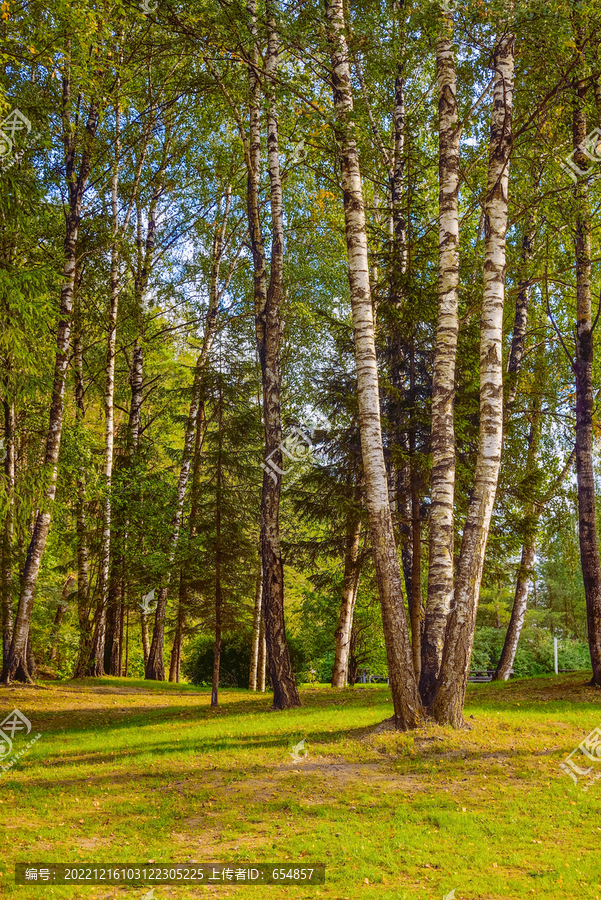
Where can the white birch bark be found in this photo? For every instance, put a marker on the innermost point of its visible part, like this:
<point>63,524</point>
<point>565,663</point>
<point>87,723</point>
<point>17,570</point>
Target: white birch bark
<point>97,662</point>
<point>441,568</point>
<point>254,654</point>
<point>76,183</point>
<point>350,585</point>
<point>407,705</point>
<point>447,705</point>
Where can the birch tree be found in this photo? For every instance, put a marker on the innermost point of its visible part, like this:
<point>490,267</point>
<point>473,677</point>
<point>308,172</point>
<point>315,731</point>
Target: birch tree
<point>407,705</point>
<point>78,148</point>
<point>441,561</point>
<point>447,704</point>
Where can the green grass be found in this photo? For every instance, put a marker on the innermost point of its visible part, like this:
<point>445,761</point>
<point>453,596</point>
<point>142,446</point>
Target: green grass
<point>131,771</point>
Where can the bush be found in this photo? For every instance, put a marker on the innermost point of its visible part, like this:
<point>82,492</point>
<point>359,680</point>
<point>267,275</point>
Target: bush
<point>234,664</point>
<point>534,655</point>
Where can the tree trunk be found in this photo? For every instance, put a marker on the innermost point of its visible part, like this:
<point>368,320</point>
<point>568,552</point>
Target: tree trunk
<point>97,666</point>
<point>262,663</point>
<point>218,550</point>
<point>195,499</point>
<point>350,584</point>
<point>398,339</point>
<point>8,613</point>
<point>126,667</point>
<point>407,705</point>
<point>121,626</point>
<point>76,186</point>
<point>32,667</point>
<point>83,585</point>
<point>145,637</point>
<point>516,354</point>
<point>254,653</point>
<point>114,616</point>
<point>177,637</point>
<point>447,706</point>
<point>587,527</point>
<point>269,331</point>
<point>416,609</point>
<point>441,526</point>
<point>61,609</point>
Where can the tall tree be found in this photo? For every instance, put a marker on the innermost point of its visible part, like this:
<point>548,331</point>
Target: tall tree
<point>407,704</point>
<point>8,453</point>
<point>447,704</point>
<point>78,160</point>
<point>583,371</point>
<point>441,561</point>
<point>269,333</point>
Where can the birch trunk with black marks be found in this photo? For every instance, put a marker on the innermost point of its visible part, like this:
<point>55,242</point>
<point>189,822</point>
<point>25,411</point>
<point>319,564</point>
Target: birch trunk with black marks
<point>583,370</point>
<point>416,611</point>
<point>76,185</point>
<point>254,651</point>
<point>8,445</point>
<point>407,705</point>
<point>447,705</point>
<point>110,611</point>
<point>522,304</point>
<point>350,584</point>
<point>218,555</point>
<point>441,548</point>
<point>144,628</point>
<point>398,338</point>
<point>98,642</point>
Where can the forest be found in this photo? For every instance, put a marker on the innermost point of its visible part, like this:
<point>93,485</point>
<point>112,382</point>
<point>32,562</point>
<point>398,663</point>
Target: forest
<point>299,313</point>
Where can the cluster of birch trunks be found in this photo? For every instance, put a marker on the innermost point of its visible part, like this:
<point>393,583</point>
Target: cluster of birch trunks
<point>429,639</point>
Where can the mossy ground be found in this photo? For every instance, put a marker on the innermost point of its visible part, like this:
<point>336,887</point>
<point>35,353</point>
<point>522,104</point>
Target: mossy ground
<point>127,771</point>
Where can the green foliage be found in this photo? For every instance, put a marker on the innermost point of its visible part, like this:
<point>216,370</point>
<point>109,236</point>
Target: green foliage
<point>234,660</point>
<point>535,654</point>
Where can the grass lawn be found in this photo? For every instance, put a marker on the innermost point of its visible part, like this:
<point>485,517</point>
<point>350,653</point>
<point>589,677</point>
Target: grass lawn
<point>131,771</point>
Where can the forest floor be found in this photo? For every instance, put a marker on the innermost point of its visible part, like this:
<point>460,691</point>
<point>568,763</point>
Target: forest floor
<point>127,771</point>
